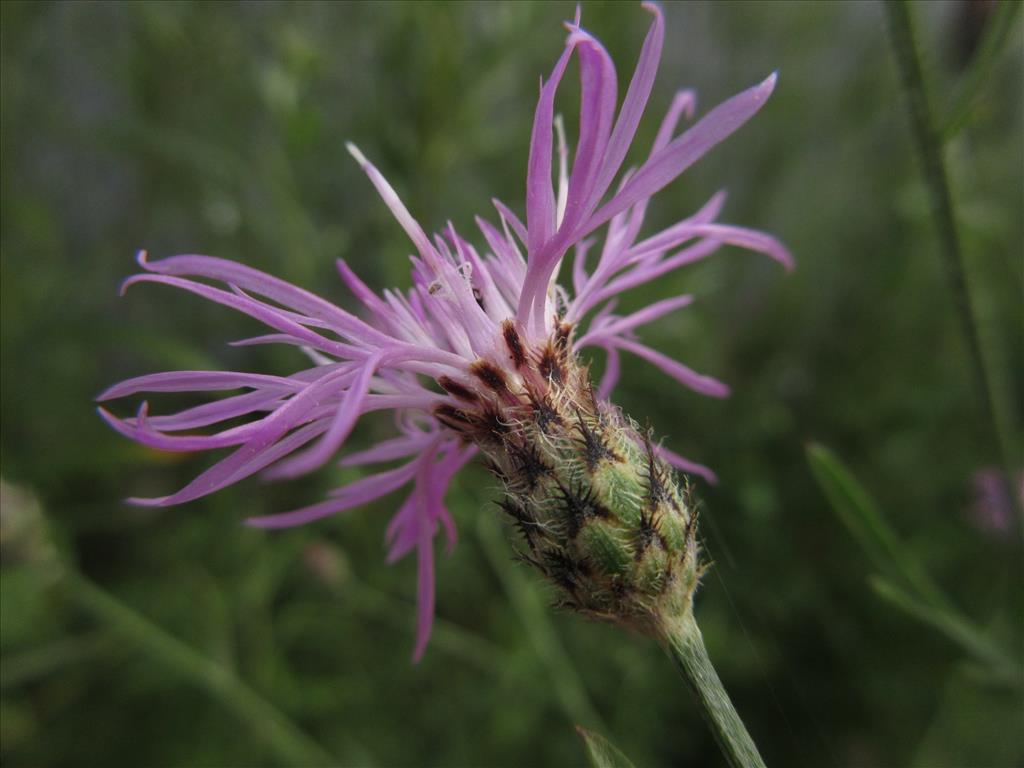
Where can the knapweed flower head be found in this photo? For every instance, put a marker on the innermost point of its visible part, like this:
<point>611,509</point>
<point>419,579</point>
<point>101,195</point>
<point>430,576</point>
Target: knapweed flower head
<point>482,356</point>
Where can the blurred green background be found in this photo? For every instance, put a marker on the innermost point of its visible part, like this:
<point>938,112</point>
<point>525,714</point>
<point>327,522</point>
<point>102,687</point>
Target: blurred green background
<point>219,128</point>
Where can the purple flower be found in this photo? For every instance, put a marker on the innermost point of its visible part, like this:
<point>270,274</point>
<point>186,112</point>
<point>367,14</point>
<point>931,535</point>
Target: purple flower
<point>480,334</point>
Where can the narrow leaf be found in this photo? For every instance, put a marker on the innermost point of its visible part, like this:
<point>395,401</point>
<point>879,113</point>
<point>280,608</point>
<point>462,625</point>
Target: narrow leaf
<point>859,513</point>
<point>955,628</point>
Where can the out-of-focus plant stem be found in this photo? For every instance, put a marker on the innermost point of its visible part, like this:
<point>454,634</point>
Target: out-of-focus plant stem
<point>928,140</point>
<point>997,34</point>
<point>564,678</point>
<point>685,645</point>
<point>291,745</point>
<point>52,658</point>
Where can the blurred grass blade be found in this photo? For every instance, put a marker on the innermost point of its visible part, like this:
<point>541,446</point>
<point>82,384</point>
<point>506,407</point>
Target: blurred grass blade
<point>49,659</point>
<point>927,140</point>
<point>861,516</point>
<point>292,745</point>
<point>956,629</point>
<point>601,753</point>
<point>448,637</point>
<point>533,614</point>
<point>972,84</point>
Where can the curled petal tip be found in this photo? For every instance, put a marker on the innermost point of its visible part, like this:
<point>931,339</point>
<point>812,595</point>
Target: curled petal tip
<point>359,156</point>
<point>142,258</point>
<point>129,282</point>
<point>138,501</point>
<point>787,261</point>
<point>652,7</point>
<point>686,100</point>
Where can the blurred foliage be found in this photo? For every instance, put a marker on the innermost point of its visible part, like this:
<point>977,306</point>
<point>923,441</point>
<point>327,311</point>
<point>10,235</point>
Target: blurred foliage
<point>220,127</point>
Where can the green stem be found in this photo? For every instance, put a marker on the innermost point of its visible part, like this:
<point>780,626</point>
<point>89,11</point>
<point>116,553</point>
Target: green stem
<point>293,747</point>
<point>685,645</point>
<point>929,147</point>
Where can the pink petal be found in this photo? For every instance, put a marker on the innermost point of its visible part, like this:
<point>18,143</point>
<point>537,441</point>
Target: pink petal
<point>355,494</point>
<point>644,273</point>
<point>217,411</point>
<point>636,99</point>
<point>511,220</point>
<point>266,285</point>
<point>687,466</point>
<point>267,445</point>
<point>424,595</point>
<point>258,310</point>
<point>683,103</point>
<point>750,239</point>
<point>394,203</point>
<point>682,152</point>
<point>141,433</point>
<point>388,450</point>
<point>681,373</point>
<point>540,195</point>
<point>611,374</point>
<point>623,325</point>
<point>598,97</point>
<point>348,413</point>
<point>193,381</point>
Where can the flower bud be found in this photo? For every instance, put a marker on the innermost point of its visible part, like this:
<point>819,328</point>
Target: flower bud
<point>601,515</point>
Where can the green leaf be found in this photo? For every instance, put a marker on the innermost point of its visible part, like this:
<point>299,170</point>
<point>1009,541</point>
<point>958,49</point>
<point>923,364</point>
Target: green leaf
<point>859,513</point>
<point>601,753</point>
<point>905,585</point>
<point>955,628</point>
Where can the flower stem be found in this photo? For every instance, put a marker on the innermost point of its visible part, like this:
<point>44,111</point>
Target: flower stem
<point>280,734</point>
<point>929,146</point>
<point>685,646</point>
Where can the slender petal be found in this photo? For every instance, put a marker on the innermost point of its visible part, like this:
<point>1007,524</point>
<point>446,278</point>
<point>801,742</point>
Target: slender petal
<point>356,494</point>
<point>348,413</point>
<point>388,450</point>
<point>687,466</point>
<point>611,374</point>
<point>194,381</point>
<point>681,373</point>
<point>636,98</point>
<point>681,153</point>
<point>623,325</point>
